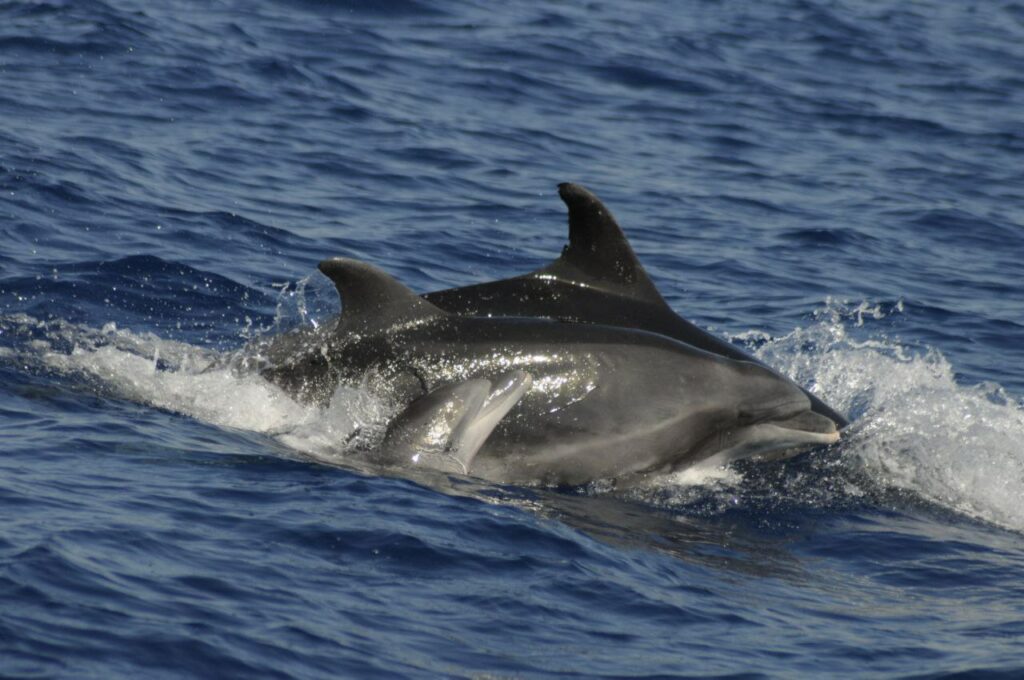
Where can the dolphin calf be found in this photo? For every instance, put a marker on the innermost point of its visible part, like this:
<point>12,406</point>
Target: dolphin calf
<point>445,428</point>
<point>598,279</point>
<point>533,400</point>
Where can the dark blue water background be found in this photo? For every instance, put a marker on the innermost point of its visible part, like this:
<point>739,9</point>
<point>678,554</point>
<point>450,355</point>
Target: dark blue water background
<point>834,185</point>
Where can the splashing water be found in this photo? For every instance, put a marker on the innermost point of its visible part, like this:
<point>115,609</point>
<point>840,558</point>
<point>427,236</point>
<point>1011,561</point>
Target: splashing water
<point>182,378</point>
<point>915,429</point>
<point>307,301</point>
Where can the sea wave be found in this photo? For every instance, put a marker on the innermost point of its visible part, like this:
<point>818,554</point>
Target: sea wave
<point>915,427</point>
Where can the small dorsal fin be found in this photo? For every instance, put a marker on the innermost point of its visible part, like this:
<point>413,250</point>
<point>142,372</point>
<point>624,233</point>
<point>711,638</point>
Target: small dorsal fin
<point>371,296</point>
<point>598,253</point>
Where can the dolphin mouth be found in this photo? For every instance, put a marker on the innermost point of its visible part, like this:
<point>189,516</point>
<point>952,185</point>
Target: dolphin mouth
<point>776,439</point>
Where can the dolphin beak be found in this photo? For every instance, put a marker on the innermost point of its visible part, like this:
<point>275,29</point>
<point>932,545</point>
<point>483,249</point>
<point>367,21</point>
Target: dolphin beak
<point>778,438</point>
<point>792,435</point>
<point>810,422</point>
<point>801,432</point>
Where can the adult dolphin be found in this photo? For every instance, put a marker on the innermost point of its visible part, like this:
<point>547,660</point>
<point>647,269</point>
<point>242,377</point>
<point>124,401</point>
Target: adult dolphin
<point>598,279</point>
<point>528,400</point>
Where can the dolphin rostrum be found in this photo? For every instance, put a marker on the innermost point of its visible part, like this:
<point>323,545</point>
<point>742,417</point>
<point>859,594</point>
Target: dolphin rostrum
<point>531,400</point>
<point>598,279</point>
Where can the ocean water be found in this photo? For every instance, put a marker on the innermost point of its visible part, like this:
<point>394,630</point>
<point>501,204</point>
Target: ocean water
<point>835,186</point>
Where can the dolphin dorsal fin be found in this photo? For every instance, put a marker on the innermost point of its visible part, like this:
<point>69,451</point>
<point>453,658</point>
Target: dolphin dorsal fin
<point>372,297</point>
<point>598,253</point>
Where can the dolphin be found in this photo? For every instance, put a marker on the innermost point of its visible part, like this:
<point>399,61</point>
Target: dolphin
<point>598,279</point>
<point>444,429</point>
<point>537,401</point>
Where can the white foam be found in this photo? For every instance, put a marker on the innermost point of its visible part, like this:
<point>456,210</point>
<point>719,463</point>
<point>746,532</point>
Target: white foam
<point>916,428</point>
<point>178,377</point>
<point>702,474</point>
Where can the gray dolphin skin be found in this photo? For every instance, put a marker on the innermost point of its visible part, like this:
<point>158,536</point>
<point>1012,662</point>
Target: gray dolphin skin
<point>598,280</point>
<point>533,400</point>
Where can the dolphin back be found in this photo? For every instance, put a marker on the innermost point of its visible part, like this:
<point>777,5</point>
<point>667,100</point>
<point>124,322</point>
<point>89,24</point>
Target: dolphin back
<point>598,279</point>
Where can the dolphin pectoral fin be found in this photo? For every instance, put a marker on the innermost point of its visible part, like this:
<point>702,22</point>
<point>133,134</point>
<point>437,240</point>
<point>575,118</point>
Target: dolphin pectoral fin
<point>598,253</point>
<point>370,297</point>
<point>474,430</point>
<point>445,428</point>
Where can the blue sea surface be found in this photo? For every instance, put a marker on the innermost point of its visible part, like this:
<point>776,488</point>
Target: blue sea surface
<point>837,187</point>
